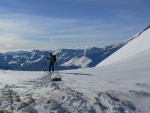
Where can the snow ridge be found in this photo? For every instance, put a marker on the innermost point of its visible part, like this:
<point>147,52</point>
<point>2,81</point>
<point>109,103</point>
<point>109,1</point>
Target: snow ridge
<point>135,45</point>
<point>138,34</point>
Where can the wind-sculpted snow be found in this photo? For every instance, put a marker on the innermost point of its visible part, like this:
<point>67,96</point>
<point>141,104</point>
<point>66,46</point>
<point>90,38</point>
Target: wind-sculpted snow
<point>39,94</point>
<point>43,96</point>
<point>110,103</point>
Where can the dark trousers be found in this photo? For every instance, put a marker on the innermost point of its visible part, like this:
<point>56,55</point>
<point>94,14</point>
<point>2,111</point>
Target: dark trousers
<point>51,66</point>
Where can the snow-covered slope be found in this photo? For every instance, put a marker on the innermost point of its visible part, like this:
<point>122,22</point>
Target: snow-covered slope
<point>123,87</point>
<point>137,44</point>
<point>74,59</point>
<point>81,61</point>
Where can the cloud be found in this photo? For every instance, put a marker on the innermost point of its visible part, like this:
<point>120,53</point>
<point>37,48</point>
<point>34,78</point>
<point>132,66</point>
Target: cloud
<point>28,32</point>
<point>9,46</point>
<point>37,27</point>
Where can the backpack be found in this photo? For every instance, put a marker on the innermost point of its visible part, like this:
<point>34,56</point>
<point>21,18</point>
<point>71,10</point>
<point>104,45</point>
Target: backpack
<point>54,57</point>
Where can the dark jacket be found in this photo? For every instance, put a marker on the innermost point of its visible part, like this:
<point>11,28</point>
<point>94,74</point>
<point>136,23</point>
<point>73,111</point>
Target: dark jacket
<point>51,59</point>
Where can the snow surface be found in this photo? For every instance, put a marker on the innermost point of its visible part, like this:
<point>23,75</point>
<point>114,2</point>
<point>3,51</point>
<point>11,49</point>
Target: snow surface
<point>81,61</point>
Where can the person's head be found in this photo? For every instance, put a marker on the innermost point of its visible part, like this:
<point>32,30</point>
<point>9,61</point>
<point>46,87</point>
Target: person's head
<point>51,54</point>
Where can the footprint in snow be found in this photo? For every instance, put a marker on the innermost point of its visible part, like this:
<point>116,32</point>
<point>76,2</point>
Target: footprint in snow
<point>139,94</point>
<point>108,102</point>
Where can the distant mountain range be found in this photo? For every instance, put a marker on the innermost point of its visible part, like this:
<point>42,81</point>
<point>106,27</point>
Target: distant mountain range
<point>66,58</point>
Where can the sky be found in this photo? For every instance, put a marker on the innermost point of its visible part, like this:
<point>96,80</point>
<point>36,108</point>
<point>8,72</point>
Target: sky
<point>71,24</point>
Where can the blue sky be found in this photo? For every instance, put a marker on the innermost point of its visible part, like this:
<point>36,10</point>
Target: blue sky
<point>55,24</point>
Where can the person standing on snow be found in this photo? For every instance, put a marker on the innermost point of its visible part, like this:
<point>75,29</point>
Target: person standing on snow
<point>52,61</point>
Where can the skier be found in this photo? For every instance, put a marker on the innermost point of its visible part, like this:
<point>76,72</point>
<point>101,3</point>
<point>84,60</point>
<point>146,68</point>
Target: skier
<point>52,61</point>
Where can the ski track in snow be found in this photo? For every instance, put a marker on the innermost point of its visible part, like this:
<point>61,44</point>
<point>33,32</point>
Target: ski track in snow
<point>42,95</point>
